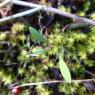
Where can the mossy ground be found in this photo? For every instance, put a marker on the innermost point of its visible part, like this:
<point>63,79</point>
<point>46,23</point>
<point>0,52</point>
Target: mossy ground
<point>16,46</point>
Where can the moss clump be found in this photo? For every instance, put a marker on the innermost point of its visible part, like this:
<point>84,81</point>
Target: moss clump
<point>18,28</point>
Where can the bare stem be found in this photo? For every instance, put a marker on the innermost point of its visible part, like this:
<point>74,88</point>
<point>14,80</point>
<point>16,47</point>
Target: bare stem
<point>57,11</point>
<point>4,3</point>
<point>54,81</point>
<point>31,11</point>
<point>48,9</point>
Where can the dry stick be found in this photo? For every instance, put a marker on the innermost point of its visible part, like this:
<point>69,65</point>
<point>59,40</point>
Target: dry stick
<point>54,81</point>
<point>25,3</point>
<point>57,11</point>
<point>76,25</point>
<point>22,14</point>
<point>4,3</point>
<point>70,15</point>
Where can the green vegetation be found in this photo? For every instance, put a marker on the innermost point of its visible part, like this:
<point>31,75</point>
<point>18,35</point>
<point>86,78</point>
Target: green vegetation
<point>56,52</point>
<point>25,62</point>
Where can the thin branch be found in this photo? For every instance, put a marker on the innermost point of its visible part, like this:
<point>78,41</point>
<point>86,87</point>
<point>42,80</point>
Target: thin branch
<point>4,42</point>
<point>31,5</point>
<point>54,81</point>
<point>90,73</point>
<point>76,25</point>
<point>72,16</point>
<point>57,11</point>
<point>4,3</point>
<point>31,11</point>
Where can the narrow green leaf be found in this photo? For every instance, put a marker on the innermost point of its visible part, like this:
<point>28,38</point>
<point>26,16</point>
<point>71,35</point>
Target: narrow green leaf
<point>36,35</point>
<point>64,70</point>
<point>38,50</point>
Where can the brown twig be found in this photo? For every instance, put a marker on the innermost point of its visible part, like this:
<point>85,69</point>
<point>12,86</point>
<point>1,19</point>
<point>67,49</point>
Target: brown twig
<point>54,81</point>
<point>57,11</point>
<point>4,3</point>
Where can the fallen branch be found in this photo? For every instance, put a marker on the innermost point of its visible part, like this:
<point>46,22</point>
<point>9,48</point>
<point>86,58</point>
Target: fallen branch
<point>54,81</point>
<point>4,3</point>
<point>31,11</point>
<point>76,25</point>
<point>57,11</point>
<point>48,9</point>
